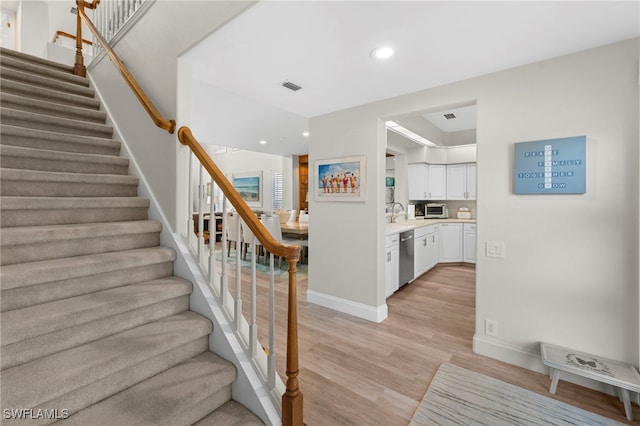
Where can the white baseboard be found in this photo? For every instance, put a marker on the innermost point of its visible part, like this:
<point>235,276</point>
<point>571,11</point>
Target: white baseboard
<point>531,360</point>
<point>357,309</point>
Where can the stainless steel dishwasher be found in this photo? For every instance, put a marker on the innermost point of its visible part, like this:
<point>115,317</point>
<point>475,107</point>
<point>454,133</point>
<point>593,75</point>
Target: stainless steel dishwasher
<point>406,257</point>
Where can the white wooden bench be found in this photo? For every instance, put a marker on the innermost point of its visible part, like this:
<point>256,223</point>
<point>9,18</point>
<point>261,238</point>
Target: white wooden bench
<point>623,377</point>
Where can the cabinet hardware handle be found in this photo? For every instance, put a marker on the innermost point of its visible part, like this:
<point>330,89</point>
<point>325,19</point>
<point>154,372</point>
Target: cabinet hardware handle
<point>424,243</point>
<point>388,257</point>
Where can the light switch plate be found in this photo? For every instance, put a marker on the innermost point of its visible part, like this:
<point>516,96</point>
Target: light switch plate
<point>495,249</point>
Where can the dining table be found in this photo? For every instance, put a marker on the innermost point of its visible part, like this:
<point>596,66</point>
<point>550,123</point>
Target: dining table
<point>300,229</point>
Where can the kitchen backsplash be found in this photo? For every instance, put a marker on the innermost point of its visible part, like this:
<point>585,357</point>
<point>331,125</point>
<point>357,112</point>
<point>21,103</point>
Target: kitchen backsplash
<point>454,205</point>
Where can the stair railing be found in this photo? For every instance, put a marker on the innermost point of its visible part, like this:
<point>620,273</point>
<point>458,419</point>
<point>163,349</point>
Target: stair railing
<point>80,69</point>
<point>292,399</point>
<point>86,43</point>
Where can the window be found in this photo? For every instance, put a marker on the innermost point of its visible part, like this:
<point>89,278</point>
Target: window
<point>276,190</point>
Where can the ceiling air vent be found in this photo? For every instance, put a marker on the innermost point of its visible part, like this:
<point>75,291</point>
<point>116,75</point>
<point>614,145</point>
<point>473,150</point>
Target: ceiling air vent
<point>449,116</point>
<point>291,86</point>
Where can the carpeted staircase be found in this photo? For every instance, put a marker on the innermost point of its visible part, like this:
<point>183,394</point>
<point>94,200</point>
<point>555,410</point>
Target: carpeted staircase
<point>94,325</point>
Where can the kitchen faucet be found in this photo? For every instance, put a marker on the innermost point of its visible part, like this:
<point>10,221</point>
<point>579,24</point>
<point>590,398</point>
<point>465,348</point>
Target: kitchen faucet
<point>393,211</point>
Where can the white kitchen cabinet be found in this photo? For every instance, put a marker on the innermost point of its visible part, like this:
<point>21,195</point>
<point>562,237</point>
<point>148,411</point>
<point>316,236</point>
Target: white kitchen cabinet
<point>461,181</point>
<point>451,242</point>
<point>427,181</point>
<point>437,184</point>
<point>425,249</point>
<point>469,230</point>
<point>418,181</point>
<point>392,264</point>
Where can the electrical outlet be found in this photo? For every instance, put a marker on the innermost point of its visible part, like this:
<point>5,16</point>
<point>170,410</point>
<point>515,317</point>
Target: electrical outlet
<point>491,327</point>
<point>494,249</point>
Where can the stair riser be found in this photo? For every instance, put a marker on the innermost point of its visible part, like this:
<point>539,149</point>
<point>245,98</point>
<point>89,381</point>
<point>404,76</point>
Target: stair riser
<point>11,255</point>
<point>57,189</point>
<point>42,293</point>
<point>60,143</point>
<point>88,395</point>
<point>45,82</point>
<point>31,60</point>
<point>31,105</point>
<point>28,350</point>
<point>16,64</point>
<point>15,218</point>
<point>50,165</point>
<point>18,88</point>
<point>81,129</point>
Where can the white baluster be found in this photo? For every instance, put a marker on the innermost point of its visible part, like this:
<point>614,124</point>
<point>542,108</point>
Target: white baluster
<point>238,304</point>
<point>190,224</point>
<point>200,215</point>
<point>271,358</point>
<point>224,284</point>
<point>253,327</point>
<point>213,225</point>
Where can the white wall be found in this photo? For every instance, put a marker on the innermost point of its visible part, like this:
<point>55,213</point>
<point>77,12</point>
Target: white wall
<point>32,27</point>
<point>156,151</point>
<point>248,161</point>
<point>570,275</point>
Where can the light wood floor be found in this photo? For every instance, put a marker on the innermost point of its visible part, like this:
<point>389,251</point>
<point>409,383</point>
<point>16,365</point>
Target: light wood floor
<point>356,372</point>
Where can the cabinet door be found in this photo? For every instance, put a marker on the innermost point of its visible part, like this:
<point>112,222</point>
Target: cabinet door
<point>456,181</point>
<point>471,181</point>
<point>392,262</point>
<point>469,243</point>
<point>418,181</point>
<point>433,249</point>
<point>450,242</point>
<point>420,256</point>
<point>437,182</point>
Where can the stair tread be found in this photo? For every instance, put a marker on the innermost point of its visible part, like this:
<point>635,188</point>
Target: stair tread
<point>53,203</point>
<point>53,108</point>
<point>4,52</point>
<point>231,414</point>
<point>44,271</point>
<point>25,175</point>
<point>39,92</point>
<point>38,320</point>
<point>43,70</point>
<point>19,151</point>
<point>45,81</point>
<point>46,233</point>
<point>164,398</point>
<point>45,135</point>
<point>44,379</point>
<point>62,123</point>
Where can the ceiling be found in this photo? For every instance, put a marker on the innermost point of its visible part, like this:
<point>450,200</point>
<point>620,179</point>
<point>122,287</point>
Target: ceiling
<point>325,46</point>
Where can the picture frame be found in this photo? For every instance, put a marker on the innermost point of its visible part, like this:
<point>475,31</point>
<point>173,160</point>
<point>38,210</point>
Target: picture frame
<point>249,186</point>
<point>340,179</point>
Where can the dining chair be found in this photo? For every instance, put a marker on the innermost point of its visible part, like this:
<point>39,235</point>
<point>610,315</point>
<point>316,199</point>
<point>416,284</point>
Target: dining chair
<point>304,217</point>
<point>232,236</point>
<point>292,216</point>
<point>273,226</point>
<point>247,239</point>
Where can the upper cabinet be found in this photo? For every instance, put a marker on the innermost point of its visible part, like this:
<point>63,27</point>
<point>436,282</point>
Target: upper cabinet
<point>427,181</point>
<point>461,181</point>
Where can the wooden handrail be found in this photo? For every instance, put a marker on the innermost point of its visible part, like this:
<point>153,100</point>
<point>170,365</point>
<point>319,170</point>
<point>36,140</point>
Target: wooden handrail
<point>292,408</point>
<point>158,119</point>
<point>71,36</point>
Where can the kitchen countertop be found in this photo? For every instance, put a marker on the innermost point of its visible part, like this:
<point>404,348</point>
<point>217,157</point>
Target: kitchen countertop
<point>407,225</point>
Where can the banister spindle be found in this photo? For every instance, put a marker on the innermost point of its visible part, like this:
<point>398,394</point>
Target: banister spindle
<point>271,358</point>
<point>190,223</point>
<point>200,215</point>
<point>253,326</point>
<point>78,67</point>
<point>238,304</point>
<point>224,284</point>
<point>213,224</point>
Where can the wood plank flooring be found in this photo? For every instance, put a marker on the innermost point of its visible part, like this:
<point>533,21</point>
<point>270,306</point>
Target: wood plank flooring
<point>355,372</point>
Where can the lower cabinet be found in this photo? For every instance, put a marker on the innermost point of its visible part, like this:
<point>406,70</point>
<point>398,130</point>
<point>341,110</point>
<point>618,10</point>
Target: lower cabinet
<point>451,242</point>
<point>426,249</point>
<point>392,264</point>
<point>469,242</point>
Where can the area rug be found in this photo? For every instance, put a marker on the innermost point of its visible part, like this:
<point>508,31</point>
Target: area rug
<point>458,396</point>
<point>280,272</point>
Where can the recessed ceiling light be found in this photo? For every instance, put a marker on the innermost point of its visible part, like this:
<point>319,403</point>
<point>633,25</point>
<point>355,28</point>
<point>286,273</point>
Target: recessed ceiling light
<point>263,142</point>
<point>382,52</point>
<point>305,134</point>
